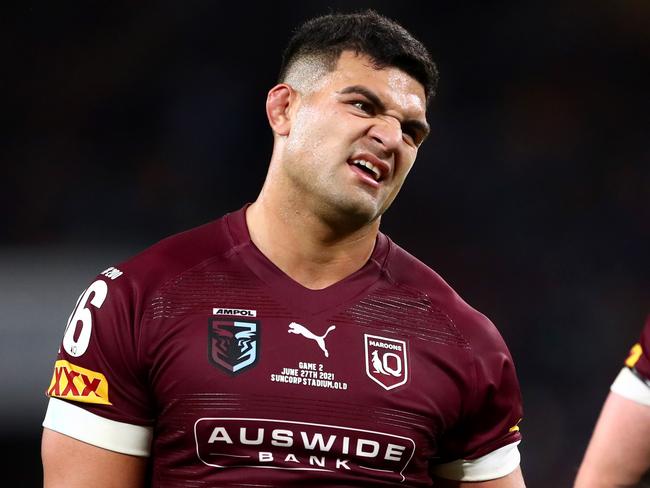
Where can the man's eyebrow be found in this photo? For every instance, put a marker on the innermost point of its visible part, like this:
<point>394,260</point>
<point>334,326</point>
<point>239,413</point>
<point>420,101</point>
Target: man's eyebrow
<point>369,94</point>
<point>418,125</point>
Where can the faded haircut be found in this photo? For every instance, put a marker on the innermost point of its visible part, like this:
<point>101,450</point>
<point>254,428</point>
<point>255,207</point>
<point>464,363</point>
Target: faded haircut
<point>316,46</point>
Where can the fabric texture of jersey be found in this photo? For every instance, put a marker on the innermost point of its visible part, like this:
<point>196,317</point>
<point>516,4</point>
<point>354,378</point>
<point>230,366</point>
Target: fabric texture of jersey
<point>202,353</point>
<point>633,381</point>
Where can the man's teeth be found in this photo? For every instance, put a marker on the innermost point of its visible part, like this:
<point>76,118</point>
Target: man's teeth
<point>370,166</point>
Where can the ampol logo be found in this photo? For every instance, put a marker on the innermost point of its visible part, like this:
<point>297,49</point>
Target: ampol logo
<point>386,361</point>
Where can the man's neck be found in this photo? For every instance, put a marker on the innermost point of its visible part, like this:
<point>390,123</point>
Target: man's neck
<point>306,248</point>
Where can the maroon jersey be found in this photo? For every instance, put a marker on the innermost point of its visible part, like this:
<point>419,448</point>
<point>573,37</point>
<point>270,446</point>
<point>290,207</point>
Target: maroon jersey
<point>203,354</point>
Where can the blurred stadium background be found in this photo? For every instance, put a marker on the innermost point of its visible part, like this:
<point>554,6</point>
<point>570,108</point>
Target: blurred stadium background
<point>125,123</point>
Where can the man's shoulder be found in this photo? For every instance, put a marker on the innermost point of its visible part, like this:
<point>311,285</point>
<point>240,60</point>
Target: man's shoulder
<point>408,272</point>
<point>405,268</point>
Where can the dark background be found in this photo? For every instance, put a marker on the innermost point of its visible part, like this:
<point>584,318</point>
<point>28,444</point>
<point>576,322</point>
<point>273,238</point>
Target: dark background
<point>122,124</point>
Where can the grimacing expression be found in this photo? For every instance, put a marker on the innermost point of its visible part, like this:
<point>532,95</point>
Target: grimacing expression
<point>355,136</point>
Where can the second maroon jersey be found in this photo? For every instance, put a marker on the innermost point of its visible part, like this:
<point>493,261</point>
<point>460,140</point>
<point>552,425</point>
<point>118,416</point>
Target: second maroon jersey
<point>242,377</point>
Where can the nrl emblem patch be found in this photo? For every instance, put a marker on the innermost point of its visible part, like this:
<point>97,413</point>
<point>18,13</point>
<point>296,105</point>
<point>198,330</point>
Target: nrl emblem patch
<point>386,361</point>
<point>233,344</point>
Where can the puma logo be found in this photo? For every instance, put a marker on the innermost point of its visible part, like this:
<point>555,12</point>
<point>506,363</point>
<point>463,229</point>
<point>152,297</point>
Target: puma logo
<point>296,328</point>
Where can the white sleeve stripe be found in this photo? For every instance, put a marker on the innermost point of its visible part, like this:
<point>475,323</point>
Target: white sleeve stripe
<point>74,421</point>
<point>496,464</point>
<point>630,386</point>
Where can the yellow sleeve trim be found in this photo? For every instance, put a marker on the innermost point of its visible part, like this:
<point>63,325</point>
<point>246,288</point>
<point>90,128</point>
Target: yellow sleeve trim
<point>635,354</point>
<point>515,428</point>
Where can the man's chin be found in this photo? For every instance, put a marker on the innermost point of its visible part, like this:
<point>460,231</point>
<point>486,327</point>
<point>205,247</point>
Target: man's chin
<point>355,213</point>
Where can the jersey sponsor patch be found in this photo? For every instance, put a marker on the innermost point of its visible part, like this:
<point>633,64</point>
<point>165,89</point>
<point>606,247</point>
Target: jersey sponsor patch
<point>228,442</point>
<point>386,361</point>
<point>235,312</point>
<point>78,384</point>
<point>233,345</point>
<point>633,357</point>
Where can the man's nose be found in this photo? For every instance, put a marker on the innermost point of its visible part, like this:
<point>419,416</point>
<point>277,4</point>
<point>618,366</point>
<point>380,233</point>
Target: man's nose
<point>388,132</point>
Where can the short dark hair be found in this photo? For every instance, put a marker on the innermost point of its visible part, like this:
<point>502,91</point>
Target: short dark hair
<point>385,41</point>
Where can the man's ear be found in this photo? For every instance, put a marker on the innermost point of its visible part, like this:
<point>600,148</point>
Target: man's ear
<point>280,106</point>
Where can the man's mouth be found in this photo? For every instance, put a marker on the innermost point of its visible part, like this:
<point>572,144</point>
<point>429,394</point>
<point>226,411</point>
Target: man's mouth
<point>367,167</point>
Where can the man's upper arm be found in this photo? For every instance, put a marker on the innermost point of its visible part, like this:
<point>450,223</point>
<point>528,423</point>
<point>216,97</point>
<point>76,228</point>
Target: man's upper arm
<point>98,424</point>
<point>69,463</point>
<point>619,450</point>
<point>512,480</point>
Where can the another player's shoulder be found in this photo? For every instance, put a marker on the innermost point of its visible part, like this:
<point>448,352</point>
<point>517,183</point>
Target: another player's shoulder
<point>408,272</point>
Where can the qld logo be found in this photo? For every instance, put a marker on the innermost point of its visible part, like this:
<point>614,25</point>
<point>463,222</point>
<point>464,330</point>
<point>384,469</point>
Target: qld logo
<point>386,361</point>
<point>233,344</point>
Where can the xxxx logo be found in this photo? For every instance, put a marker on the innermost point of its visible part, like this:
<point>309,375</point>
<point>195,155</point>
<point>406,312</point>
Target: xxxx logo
<point>79,384</point>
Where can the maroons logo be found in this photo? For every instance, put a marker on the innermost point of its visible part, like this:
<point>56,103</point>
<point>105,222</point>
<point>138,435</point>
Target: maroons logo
<point>233,345</point>
<point>386,361</point>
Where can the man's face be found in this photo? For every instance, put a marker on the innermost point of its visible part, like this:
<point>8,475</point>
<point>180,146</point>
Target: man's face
<point>354,138</point>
